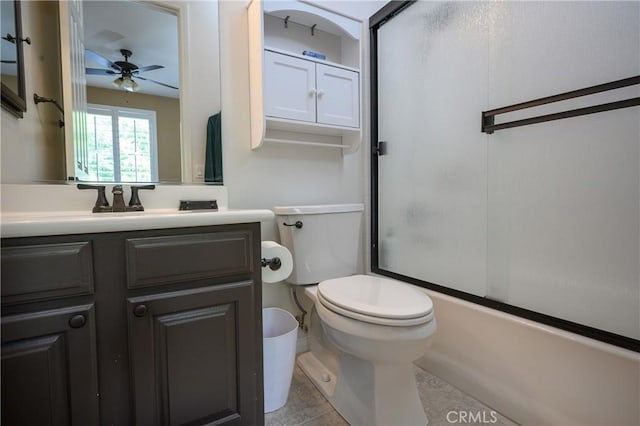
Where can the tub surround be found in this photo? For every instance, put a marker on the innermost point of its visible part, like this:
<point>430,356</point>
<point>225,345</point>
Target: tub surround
<point>530,372</point>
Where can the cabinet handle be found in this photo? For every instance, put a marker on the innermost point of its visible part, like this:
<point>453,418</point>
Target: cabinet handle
<point>77,321</point>
<point>320,93</point>
<point>312,92</point>
<point>140,311</point>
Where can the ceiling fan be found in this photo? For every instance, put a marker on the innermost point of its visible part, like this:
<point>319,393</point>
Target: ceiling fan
<point>127,70</point>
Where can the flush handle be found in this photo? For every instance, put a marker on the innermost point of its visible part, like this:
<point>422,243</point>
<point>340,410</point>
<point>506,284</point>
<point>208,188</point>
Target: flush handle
<point>298,224</point>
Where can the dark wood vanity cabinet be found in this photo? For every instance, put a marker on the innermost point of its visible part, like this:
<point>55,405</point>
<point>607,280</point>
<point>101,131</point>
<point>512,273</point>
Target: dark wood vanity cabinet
<point>159,327</point>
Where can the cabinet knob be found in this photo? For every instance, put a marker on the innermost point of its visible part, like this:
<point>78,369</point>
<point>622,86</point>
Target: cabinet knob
<point>312,92</point>
<point>320,93</point>
<point>140,310</point>
<point>77,321</point>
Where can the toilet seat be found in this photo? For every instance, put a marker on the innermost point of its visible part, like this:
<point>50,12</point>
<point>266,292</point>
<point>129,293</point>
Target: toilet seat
<point>376,300</point>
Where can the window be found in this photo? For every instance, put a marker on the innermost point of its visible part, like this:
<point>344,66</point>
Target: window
<point>122,144</point>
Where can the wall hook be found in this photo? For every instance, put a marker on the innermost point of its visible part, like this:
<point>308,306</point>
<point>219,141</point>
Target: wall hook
<point>12,39</point>
<point>286,21</point>
<point>38,99</point>
<point>313,27</point>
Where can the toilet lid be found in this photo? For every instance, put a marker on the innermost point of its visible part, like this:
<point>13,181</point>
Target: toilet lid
<point>377,300</point>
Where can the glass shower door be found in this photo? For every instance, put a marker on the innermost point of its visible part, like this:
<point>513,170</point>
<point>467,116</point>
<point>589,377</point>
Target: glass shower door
<point>564,196</point>
<point>540,220</point>
<point>432,182</point>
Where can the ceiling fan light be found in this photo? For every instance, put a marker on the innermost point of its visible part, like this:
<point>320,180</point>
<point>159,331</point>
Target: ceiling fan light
<point>129,84</point>
<point>118,82</point>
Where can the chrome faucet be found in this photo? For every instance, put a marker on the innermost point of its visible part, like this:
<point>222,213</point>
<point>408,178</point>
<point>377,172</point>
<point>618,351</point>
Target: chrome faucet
<point>102,205</point>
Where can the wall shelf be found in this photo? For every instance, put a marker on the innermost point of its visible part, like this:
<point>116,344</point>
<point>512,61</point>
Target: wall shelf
<point>310,58</point>
<point>287,141</point>
<point>298,99</point>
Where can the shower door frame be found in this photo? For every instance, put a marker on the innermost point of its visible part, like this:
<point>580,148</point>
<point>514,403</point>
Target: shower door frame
<point>387,12</point>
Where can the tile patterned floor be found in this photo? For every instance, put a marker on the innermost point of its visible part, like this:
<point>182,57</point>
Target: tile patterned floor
<point>306,406</point>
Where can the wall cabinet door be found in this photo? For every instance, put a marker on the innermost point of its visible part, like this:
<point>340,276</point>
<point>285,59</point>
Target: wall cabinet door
<point>338,96</point>
<point>298,89</point>
<point>49,369</point>
<point>192,354</point>
<point>289,87</point>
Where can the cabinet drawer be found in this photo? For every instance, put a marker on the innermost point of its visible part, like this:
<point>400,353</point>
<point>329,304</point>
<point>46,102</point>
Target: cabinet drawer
<point>179,258</point>
<point>46,271</point>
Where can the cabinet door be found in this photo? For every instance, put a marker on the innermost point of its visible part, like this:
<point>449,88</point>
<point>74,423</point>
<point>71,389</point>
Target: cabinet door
<point>289,87</point>
<point>193,356</point>
<point>338,93</point>
<point>49,369</point>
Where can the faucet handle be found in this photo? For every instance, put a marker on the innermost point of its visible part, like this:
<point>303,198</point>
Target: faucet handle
<point>102,205</point>
<point>134,203</point>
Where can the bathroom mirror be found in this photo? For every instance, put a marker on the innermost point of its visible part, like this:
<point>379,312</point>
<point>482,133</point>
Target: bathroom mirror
<point>12,66</point>
<point>133,94</point>
<point>144,122</point>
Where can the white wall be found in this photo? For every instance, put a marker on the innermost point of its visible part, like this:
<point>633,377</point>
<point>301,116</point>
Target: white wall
<point>279,175</point>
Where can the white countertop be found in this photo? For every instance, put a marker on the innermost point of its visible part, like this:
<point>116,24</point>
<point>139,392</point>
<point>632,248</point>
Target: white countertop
<point>80,222</point>
<point>30,210</point>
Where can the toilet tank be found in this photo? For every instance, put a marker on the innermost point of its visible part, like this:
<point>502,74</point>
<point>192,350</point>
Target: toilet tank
<point>328,243</point>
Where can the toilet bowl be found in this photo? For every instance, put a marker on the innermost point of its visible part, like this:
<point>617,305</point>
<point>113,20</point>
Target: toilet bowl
<point>373,373</point>
<point>365,330</point>
<point>375,318</point>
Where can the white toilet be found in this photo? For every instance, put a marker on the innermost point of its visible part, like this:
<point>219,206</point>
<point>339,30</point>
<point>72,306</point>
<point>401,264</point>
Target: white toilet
<point>365,330</point>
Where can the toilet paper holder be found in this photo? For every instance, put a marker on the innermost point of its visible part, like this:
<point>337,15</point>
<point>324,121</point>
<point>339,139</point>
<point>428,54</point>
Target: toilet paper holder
<point>274,263</point>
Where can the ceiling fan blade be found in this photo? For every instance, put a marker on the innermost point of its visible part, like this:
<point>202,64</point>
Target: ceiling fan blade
<point>100,59</point>
<point>157,82</point>
<point>149,68</point>
<point>98,71</point>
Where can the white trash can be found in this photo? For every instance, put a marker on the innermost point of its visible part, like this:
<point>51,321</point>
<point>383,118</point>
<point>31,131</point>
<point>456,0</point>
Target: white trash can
<point>280,333</point>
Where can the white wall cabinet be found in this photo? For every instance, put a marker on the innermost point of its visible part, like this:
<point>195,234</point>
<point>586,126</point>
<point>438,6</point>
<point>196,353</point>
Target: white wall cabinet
<point>300,89</point>
<point>298,99</point>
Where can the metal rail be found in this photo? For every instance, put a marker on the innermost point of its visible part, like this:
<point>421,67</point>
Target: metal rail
<point>488,117</point>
